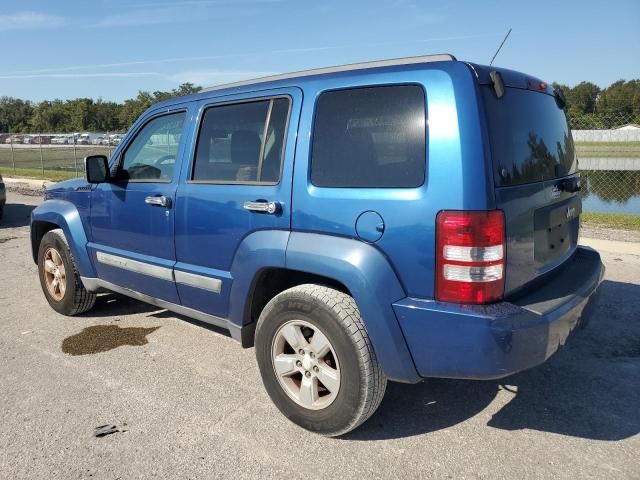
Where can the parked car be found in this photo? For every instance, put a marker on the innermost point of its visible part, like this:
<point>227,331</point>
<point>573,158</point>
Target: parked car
<point>41,139</point>
<point>83,139</point>
<point>428,229</point>
<point>3,196</point>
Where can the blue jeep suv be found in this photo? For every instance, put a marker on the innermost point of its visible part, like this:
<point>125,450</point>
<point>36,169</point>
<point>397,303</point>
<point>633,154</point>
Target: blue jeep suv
<point>392,220</point>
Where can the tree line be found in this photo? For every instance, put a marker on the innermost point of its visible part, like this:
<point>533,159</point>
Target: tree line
<point>80,114</point>
<point>588,106</point>
<point>592,107</point>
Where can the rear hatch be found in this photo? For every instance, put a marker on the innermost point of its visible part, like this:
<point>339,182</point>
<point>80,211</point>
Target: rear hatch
<point>535,176</point>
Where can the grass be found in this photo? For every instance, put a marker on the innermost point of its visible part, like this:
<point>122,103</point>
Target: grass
<point>608,144</point>
<point>614,220</point>
<point>608,149</point>
<point>53,175</point>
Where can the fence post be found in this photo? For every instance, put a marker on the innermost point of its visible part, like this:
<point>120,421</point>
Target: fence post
<point>75,154</point>
<point>41,157</point>
<point>13,160</point>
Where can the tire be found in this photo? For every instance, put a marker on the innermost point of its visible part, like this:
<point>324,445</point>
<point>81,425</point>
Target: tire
<point>74,298</point>
<point>309,309</point>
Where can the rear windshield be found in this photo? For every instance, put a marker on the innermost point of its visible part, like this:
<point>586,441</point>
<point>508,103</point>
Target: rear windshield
<point>529,135</point>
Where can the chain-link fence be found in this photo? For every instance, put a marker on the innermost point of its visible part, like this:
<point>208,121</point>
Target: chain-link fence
<point>607,144</point>
<point>52,156</point>
<point>608,148</point>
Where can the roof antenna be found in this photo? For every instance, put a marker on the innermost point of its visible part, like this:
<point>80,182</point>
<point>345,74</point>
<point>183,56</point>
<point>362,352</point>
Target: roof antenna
<point>498,51</point>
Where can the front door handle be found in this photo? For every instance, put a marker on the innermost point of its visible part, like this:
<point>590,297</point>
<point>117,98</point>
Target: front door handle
<point>263,206</point>
<point>158,201</point>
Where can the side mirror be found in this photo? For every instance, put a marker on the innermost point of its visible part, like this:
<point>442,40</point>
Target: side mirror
<point>96,168</point>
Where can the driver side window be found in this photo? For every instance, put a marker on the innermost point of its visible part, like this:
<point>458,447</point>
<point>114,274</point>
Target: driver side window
<point>151,156</point>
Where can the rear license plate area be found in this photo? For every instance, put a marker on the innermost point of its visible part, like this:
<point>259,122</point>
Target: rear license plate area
<point>556,230</point>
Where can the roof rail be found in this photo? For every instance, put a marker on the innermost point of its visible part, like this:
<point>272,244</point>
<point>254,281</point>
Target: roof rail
<point>444,57</point>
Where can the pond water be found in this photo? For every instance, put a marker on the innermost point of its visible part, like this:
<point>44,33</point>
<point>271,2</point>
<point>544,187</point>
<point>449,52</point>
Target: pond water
<point>611,191</point>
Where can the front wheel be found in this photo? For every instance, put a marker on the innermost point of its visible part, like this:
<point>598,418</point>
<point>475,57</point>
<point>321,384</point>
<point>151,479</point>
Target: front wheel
<point>59,278</point>
<point>316,360</point>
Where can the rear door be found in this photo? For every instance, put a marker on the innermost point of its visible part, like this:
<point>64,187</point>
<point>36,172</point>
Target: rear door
<point>536,180</point>
<point>238,181</point>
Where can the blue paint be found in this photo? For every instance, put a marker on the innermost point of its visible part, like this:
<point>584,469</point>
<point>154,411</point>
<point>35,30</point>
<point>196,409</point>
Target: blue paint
<point>378,243</point>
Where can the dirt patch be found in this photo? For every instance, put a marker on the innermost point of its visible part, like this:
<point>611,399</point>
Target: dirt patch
<point>6,239</point>
<point>102,338</point>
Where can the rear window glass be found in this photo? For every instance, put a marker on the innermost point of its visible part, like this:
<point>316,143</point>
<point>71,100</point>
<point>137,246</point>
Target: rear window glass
<point>370,137</point>
<point>530,138</point>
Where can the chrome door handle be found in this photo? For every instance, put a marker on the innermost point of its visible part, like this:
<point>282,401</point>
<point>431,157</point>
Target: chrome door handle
<point>158,201</point>
<point>262,206</point>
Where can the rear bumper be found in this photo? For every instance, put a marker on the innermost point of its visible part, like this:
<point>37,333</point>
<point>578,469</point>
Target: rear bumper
<point>493,341</point>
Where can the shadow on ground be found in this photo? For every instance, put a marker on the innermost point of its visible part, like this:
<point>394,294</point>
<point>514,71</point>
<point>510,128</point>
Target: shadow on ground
<point>116,305</point>
<point>16,215</point>
<point>589,389</point>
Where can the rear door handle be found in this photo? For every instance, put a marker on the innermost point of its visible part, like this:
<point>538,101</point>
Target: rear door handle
<point>158,201</point>
<point>263,206</point>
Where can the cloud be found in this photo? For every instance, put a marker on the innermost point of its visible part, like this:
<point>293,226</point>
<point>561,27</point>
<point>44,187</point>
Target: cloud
<point>181,11</point>
<point>201,3</point>
<point>30,21</point>
<point>159,61</point>
<point>82,75</point>
<point>212,77</point>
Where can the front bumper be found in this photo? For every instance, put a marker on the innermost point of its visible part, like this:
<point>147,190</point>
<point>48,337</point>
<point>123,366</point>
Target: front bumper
<point>493,341</point>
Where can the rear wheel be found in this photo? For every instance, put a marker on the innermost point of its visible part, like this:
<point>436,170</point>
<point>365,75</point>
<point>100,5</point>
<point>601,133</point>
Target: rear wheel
<point>316,360</point>
<point>59,278</point>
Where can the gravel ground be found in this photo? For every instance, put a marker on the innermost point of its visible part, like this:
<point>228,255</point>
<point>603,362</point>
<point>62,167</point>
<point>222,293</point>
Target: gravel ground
<point>188,401</point>
<point>589,230</point>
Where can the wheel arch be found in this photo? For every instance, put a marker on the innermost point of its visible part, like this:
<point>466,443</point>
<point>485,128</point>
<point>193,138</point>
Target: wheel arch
<point>348,265</point>
<point>61,214</point>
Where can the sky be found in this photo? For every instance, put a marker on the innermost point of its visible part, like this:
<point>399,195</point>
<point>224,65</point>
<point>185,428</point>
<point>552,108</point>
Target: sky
<point>111,49</point>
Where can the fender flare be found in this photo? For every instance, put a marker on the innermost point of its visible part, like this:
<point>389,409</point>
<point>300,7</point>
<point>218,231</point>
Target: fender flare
<point>365,271</point>
<point>66,216</point>
<point>257,251</point>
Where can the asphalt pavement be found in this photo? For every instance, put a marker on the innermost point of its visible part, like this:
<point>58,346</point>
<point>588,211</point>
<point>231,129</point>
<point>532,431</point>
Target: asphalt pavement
<point>187,401</point>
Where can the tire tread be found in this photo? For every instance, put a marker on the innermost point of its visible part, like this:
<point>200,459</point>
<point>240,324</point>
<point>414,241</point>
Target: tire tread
<point>346,311</point>
<point>83,300</point>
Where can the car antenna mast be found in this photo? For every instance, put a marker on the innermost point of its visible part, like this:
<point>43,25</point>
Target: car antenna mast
<point>500,47</point>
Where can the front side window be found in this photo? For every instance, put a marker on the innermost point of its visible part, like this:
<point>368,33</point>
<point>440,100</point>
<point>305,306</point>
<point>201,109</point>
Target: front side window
<point>151,156</point>
<point>242,143</point>
<point>371,137</point>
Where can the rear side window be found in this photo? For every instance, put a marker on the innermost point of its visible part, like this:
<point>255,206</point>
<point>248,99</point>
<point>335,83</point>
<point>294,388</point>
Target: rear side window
<point>371,137</point>
<point>242,143</point>
<point>530,137</point>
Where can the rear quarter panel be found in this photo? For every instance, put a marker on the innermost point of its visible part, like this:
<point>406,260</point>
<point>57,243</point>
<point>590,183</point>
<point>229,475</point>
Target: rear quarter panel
<point>456,176</point>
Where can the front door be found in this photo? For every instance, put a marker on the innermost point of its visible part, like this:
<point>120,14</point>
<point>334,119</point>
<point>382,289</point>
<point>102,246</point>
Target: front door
<point>238,183</point>
<point>133,217</point>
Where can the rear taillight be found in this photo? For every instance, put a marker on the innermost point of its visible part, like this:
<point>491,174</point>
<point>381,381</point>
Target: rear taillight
<point>470,256</point>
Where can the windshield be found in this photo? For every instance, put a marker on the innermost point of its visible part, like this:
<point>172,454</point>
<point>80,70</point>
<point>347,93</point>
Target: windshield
<point>530,137</point>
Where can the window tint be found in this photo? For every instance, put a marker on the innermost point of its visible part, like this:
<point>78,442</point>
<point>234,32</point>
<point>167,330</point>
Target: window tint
<point>370,137</point>
<point>242,143</point>
<point>152,154</point>
<point>530,137</point>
